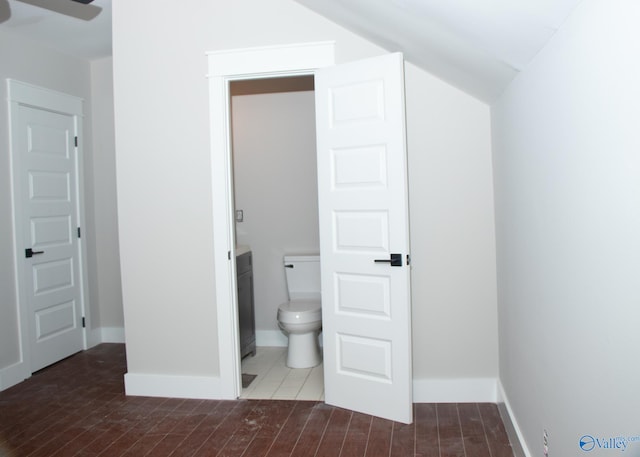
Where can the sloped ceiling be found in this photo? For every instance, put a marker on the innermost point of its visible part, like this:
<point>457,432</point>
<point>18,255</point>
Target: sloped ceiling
<point>476,45</point>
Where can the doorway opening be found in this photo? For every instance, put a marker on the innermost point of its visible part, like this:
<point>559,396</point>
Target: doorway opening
<point>225,67</point>
<point>275,198</point>
<point>363,221</point>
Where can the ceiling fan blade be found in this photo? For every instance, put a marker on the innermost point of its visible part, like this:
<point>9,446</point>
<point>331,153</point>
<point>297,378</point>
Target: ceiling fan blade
<point>80,9</point>
<point>5,11</point>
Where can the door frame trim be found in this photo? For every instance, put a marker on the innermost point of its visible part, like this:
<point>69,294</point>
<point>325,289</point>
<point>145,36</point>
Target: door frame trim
<point>224,67</point>
<point>23,94</point>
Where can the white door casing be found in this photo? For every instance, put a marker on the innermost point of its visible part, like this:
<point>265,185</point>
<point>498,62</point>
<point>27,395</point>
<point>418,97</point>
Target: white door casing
<point>363,205</point>
<point>47,217</point>
<point>224,67</point>
<point>276,61</point>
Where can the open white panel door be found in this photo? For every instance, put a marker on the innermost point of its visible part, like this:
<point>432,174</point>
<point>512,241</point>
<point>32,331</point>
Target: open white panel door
<point>364,237</point>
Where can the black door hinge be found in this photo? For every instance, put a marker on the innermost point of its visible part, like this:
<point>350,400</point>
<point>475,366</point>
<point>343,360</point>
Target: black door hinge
<point>84,323</point>
<point>76,141</point>
<point>78,232</point>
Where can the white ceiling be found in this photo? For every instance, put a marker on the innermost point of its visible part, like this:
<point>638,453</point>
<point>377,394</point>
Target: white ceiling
<point>476,45</point>
<point>71,33</point>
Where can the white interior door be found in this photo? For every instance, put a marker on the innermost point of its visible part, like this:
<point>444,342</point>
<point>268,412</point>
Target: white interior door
<point>362,192</point>
<point>43,146</point>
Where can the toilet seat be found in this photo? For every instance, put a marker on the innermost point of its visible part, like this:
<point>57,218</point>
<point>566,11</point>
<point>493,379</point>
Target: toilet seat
<point>300,311</point>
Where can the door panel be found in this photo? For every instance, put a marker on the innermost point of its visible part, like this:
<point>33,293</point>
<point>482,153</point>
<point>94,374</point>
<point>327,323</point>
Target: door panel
<point>368,295</point>
<point>361,167</point>
<point>361,231</point>
<point>362,188</point>
<point>49,231</point>
<point>44,144</point>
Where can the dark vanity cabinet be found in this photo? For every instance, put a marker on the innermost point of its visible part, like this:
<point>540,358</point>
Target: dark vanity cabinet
<point>246,316</point>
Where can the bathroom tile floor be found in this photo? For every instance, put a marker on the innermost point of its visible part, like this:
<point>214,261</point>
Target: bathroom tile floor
<point>77,407</point>
<point>276,381</point>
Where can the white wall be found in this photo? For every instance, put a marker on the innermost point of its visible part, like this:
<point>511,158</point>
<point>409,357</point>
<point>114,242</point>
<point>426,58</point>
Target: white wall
<point>107,286</point>
<point>452,236</point>
<point>567,168</point>
<point>274,162</point>
<point>164,182</point>
<point>33,63</point>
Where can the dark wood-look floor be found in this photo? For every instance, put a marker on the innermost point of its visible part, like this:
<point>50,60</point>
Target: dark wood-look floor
<point>78,408</point>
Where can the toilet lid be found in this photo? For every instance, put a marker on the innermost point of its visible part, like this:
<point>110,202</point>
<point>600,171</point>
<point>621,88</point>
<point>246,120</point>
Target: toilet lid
<point>300,311</point>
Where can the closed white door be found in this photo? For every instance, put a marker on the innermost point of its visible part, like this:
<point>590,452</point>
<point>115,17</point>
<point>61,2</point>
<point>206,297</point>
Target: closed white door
<point>364,237</point>
<point>43,144</point>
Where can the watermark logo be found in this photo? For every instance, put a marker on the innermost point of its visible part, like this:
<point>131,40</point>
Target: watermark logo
<point>589,443</point>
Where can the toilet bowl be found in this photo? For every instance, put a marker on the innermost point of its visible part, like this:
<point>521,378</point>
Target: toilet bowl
<point>300,318</point>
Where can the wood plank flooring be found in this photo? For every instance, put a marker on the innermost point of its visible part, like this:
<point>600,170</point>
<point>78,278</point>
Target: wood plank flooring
<point>78,408</point>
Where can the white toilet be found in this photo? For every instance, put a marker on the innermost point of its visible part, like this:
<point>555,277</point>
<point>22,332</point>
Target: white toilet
<point>301,317</point>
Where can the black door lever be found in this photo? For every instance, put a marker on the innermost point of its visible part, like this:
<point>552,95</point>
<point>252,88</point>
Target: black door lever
<point>395,260</point>
<point>28,253</point>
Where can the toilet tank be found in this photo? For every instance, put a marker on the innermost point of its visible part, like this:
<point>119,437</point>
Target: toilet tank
<point>303,276</point>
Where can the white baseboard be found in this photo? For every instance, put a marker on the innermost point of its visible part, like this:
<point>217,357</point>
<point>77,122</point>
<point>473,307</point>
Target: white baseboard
<point>516,437</point>
<point>275,338</point>
<point>112,335</point>
<point>271,338</point>
<point>105,335</point>
<point>471,390</point>
<point>13,374</point>
<point>93,337</point>
<point>150,385</point>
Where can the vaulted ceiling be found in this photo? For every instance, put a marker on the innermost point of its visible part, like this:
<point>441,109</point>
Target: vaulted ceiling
<point>476,45</point>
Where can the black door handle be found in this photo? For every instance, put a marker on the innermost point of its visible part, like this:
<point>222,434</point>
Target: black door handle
<point>395,260</point>
<point>28,253</point>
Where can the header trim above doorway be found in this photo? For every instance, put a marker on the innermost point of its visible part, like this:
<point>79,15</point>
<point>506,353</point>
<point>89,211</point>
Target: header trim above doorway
<point>286,59</point>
